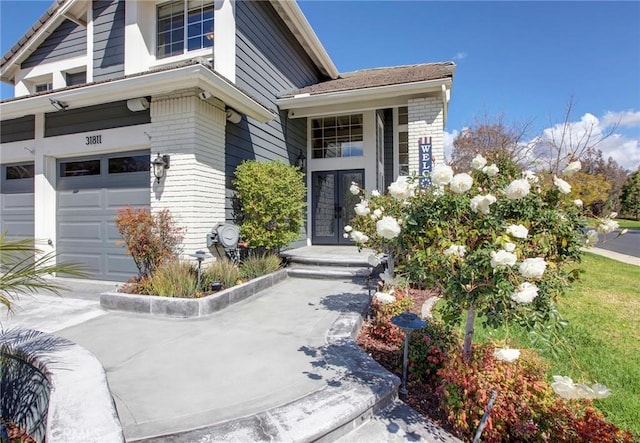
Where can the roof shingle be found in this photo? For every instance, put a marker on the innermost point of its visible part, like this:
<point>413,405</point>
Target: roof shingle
<point>371,78</point>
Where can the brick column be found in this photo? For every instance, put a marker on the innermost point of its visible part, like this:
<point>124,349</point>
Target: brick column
<point>425,120</point>
<point>192,132</point>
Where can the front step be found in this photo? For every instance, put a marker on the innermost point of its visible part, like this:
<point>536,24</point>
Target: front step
<point>327,263</point>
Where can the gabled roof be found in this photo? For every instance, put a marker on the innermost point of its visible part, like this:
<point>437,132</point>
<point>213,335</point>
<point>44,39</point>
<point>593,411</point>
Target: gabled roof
<point>378,77</point>
<point>288,10</point>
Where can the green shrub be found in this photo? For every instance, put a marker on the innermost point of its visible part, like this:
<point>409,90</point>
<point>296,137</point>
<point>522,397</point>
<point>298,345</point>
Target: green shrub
<point>271,197</point>
<point>223,270</point>
<point>174,278</point>
<point>258,265</point>
<point>429,348</point>
<point>150,238</point>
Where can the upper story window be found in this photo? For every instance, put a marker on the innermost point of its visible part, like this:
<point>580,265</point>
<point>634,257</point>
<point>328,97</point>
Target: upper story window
<point>340,136</point>
<point>76,78</point>
<point>43,87</point>
<point>184,25</point>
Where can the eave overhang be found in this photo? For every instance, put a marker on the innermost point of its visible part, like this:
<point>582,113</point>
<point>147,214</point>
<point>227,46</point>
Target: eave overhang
<point>147,84</point>
<point>303,105</point>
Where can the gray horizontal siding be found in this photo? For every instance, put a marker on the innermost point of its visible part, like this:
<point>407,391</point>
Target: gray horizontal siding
<point>108,39</point>
<point>269,62</point>
<point>17,129</point>
<point>93,118</point>
<point>67,41</point>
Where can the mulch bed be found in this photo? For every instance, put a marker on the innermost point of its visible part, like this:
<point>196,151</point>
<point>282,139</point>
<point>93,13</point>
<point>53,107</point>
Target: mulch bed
<point>419,397</point>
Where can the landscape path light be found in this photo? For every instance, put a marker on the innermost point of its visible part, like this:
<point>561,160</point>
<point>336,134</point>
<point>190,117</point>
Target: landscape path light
<point>200,256</point>
<point>406,321</point>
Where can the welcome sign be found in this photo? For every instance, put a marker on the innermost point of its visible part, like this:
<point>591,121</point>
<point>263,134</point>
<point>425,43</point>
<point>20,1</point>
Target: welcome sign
<point>425,163</point>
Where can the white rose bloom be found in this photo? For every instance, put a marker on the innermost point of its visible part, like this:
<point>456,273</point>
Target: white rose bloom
<point>362,208</point>
<point>480,203</point>
<point>572,168</point>
<point>591,238</point>
<point>530,176</point>
<point>345,235</point>
<point>526,293</point>
<point>491,170</point>
<point>613,215</point>
<point>518,189</point>
<point>509,247</point>
<point>348,228</point>
<point>461,183</point>
<point>517,231</point>
<point>506,354</point>
<point>388,227</point>
<point>579,203</point>
<point>478,162</point>
<point>375,193</point>
<point>384,297</point>
<point>354,189</point>
<point>441,175</point>
<point>564,387</point>
<point>562,185</point>
<point>359,237</point>
<point>607,226</point>
<point>402,188</point>
<point>373,260</point>
<point>600,390</point>
<point>378,212</point>
<point>457,250</point>
<point>532,267</point>
<point>502,259</point>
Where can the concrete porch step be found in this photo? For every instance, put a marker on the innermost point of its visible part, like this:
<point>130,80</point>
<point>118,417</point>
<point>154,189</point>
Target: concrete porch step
<point>327,272</point>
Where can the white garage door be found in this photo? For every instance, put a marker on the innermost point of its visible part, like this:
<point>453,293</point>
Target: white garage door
<point>90,191</point>
<point>16,200</point>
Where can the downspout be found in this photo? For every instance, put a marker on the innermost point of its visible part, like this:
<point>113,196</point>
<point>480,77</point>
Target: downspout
<point>446,97</point>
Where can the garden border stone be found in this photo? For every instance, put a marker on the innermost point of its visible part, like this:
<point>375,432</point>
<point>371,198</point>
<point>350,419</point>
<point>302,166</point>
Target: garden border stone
<point>188,307</point>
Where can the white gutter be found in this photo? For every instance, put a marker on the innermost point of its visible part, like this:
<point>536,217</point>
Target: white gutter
<point>379,92</point>
<point>152,83</point>
<point>305,34</point>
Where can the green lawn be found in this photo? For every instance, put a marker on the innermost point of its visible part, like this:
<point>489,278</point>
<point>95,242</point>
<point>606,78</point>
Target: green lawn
<point>624,223</point>
<point>603,336</point>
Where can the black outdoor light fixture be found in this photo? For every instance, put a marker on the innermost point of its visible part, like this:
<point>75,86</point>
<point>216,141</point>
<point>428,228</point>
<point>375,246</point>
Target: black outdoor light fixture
<point>160,164</point>
<point>200,256</point>
<point>407,321</point>
<point>60,106</point>
<point>301,161</point>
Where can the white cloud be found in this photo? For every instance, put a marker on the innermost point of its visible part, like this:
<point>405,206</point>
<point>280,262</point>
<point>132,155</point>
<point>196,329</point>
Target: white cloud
<point>622,118</point>
<point>449,137</point>
<point>624,149</point>
<point>460,56</point>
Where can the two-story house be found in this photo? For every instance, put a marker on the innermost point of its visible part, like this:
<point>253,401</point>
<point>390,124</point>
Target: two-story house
<point>104,88</point>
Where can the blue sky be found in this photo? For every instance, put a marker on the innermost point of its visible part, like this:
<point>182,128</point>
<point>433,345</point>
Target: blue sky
<point>522,59</point>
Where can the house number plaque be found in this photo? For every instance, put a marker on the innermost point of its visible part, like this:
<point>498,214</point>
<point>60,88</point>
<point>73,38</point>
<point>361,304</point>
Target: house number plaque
<point>93,139</point>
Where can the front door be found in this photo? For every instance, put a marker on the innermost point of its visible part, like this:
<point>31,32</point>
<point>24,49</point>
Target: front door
<point>332,204</point>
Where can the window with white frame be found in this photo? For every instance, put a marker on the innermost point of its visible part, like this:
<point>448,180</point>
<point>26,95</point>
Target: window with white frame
<point>403,140</point>
<point>43,87</point>
<point>337,136</point>
<point>182,26</point>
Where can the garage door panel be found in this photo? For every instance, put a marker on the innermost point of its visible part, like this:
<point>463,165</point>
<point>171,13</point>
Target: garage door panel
<point>121,198</point>
<point>18,203</point>
<point>16,215</point>
<point>90,262</point>
<point>83,199</point>
<point>89,231</point>
<point>121,264</point>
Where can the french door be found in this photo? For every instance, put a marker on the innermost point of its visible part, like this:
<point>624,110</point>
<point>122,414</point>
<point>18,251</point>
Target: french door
<point>332,204</point>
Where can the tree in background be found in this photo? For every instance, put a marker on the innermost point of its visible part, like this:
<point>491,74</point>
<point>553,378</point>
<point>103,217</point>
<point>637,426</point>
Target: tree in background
<point>592,189</point>
<point>491,136</point>
<point>594,164</point>
<point>630,198</point>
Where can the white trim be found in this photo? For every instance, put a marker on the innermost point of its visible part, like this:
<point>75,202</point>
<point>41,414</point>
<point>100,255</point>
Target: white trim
<point>153,83</point>
<point>89,56</point>
<point>224,31</point>
<point>380,92</point>
<point>292,15</point>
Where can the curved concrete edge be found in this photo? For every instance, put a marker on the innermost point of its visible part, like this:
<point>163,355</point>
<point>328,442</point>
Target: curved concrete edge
<point>188,307</point>
<point>80,404</point>
<point>341,406</point>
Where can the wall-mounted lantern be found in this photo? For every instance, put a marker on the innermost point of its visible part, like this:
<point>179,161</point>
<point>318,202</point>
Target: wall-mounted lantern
<point>160,164</point>
<point>301,161</point>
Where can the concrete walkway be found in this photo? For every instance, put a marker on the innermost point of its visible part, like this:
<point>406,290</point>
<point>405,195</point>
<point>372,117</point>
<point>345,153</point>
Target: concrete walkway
<point>273,367</point>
